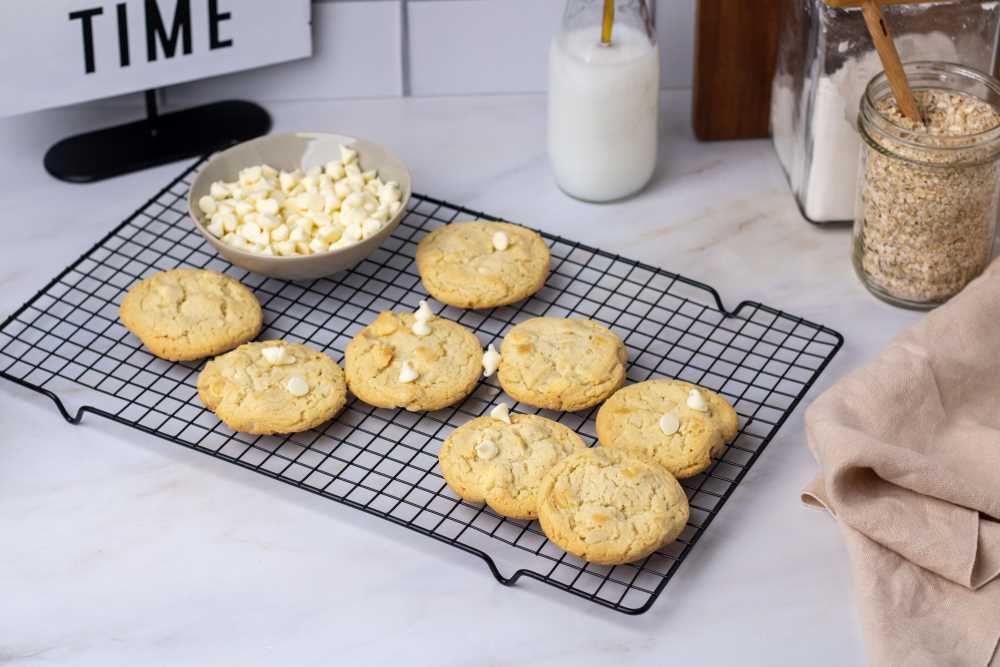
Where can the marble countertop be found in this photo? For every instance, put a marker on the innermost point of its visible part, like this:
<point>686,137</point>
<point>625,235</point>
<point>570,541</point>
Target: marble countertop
<point>119,548</point>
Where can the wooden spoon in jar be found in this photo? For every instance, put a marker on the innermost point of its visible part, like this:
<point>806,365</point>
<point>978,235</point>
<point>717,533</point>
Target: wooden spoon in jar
<point>890,60</point>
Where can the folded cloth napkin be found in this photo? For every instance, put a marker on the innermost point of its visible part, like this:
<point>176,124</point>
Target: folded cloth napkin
<point>909,447</point>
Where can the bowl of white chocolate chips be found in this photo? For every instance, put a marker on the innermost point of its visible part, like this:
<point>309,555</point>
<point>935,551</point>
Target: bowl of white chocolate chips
<point>301,205</point>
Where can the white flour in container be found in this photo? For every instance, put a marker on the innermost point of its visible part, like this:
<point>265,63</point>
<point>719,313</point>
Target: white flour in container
<point>827,192</point>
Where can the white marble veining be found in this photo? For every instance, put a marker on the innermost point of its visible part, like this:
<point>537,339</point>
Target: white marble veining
<point>118,548</point>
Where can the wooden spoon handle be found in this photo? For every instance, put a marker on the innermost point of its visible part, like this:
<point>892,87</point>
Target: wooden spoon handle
<point>890,60</point>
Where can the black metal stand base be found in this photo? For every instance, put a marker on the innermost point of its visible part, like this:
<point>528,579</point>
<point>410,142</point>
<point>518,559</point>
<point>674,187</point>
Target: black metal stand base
<point>155,140</point>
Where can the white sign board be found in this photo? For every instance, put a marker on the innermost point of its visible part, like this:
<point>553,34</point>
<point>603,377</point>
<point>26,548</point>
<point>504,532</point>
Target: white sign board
<point>57,52</point>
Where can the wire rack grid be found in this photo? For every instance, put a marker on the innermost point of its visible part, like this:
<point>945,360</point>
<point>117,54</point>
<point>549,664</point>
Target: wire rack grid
<point>384,462</point>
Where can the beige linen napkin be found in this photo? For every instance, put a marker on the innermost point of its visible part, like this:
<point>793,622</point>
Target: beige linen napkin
<point>909,447</point>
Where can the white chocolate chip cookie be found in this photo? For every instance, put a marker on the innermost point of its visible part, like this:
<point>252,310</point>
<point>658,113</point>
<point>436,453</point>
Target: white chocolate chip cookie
<point>482,264</point>
<point>388,365</point>
<point>561,364</point>
<point>255,389</point>
<point>187,314</point>
<point>679,425</point>
<point>609,506</point>
<point>504,463</point>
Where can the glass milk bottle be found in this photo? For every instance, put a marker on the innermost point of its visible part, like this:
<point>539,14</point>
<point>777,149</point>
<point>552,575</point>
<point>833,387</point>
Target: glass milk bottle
<point>603,100</point>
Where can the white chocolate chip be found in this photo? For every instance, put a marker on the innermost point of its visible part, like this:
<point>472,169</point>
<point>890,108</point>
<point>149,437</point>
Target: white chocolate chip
<point>279,233</point>
<point>408,373</point>
<point>208,204</point>
<point>420,328</point>
<point>330,233</point>
<point>317,245</point>
<point>251,175</point>
<point>334,169</point>
<point>297,386</point>
<point>348,155</point>
<point>487,450</point>
<point>669,423</point>
<point>371,227</point>
<point>696,401</point>
<point>491,361</point>
<point>501,412</point>
<point>287,181</point>
<point>269,206</point>
<point>500,241</point>
<point>423,312</point>
<point>273,355</point>
<point>353,232</point>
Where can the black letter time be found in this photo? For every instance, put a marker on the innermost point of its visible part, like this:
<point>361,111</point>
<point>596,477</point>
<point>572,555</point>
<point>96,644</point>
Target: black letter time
<point>156,30</point>
<point>86,17</point>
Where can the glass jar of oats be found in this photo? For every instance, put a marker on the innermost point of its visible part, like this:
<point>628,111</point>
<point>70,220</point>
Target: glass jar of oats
<point>928,194</point>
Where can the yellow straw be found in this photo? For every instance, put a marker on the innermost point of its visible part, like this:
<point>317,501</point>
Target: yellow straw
<point>609,19</point>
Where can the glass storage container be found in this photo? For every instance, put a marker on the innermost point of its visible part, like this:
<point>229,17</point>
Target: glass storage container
<point>825,60</point>
<point>927,195</point>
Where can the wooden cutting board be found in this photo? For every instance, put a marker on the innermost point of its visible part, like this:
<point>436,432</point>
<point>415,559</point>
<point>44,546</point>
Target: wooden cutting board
<point>736,42</point>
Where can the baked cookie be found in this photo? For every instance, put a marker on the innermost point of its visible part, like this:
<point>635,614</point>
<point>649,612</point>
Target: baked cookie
<point>561,364</point>
<point>503,464</point>
<point>400,361</point>
<point>187,314</point>
<point>273,387</point>
<point>679,425</point>
<point>482,264</point>
<point>609,506</point>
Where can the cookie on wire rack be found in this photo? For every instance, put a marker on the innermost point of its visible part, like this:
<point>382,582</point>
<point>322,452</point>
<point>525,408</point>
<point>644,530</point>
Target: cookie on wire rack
<point>680,425</point>
<point>415,361</point>
<point>273,387</point>
<point>502,459</point>
<point>482,264</point>
<point>561,364</point>
<point>187,314</point>
<point>610,506</point>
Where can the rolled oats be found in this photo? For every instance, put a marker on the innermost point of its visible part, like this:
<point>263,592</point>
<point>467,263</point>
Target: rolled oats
<point>927,206</point>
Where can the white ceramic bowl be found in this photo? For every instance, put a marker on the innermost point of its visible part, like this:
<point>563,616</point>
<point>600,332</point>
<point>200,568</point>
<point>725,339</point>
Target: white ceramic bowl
<point>302,150</point>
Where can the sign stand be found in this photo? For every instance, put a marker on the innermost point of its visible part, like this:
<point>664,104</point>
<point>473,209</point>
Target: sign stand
<point>155,140</point>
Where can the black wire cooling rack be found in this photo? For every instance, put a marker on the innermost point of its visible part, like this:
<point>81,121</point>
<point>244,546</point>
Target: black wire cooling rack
<point>384,462</point>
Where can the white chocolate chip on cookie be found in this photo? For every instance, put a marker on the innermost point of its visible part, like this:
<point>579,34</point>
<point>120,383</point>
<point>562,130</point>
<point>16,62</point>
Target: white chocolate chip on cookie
<point>669,424</point>
<point>277,356</point>
<point>501,412</point>
<point>423,313</point>
<point>491,361</point>
<point>696,401</point>
<point>297,386</point>
<point>408,373</point>
<point>487,450</point>
<point>500,241</point>
<point>421,317</point>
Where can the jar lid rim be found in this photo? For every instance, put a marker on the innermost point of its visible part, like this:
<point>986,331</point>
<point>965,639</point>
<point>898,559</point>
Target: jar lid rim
<point>898,133</point>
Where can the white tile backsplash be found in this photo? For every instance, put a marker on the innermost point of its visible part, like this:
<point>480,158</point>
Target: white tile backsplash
<point>460,47</point>
<point>374,48</point>
<point>357,52</point>
<point>675,34</point>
